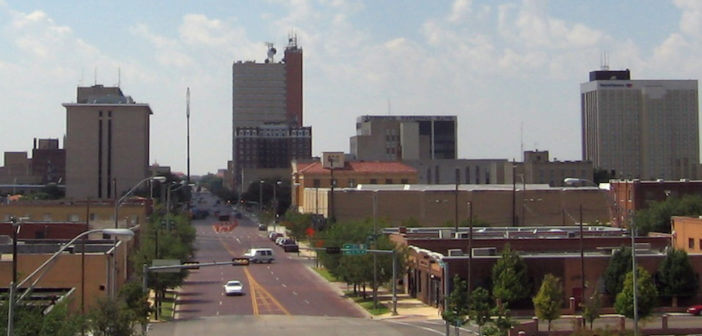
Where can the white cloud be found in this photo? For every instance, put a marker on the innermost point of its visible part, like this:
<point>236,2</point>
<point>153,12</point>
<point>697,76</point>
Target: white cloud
<point>459,10</point>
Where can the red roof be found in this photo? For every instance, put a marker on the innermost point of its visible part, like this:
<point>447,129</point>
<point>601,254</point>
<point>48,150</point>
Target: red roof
<point>358,167</point>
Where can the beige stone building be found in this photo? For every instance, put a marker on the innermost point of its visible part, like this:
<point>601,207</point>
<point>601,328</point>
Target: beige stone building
<point>439,205</point>
<point>107,143</point>
<point>100,213</point>
<point>537,168</point>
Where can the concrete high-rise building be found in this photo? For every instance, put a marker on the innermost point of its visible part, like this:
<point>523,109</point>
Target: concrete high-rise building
<point>401,138</point>
<point>267,114</point>
<point>647,129</point>
<point>107,143</point>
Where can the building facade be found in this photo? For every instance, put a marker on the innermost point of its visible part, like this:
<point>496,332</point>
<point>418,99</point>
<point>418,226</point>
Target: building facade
<point>49,161</point>
<point>267,114</point>
<point>401,138</point>
<point>107,143</point>
<point>537,168</point>
<point>647,129</point>
<point>629,196</point>
<point>463,171</point>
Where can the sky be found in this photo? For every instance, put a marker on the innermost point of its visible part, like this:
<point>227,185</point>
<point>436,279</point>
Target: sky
<point>509,70</point>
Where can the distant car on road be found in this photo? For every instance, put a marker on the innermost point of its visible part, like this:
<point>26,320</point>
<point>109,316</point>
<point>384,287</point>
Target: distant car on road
<point>279,240</point>
<point>274,235</point>
<point>234,287</point>
<point>695,310</point>
<point>289,245</point>
<point>260,255</point>
<point>262,227</point>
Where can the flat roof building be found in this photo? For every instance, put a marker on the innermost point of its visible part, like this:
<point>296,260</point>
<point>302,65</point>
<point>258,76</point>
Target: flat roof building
<point>107,143</point>
<point>647,129</point>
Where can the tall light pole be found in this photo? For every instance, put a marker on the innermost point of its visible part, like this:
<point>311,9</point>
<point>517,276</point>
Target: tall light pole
<point>332,218</point>
<point>375,259</point>
<point>12,301</point>
<point>455,203</point>
<point>129,193</point>
<point>260,197</point>
<point>633,274</point>
<point>470,242</point>
<point>275,204</point>
<point>187,117</point>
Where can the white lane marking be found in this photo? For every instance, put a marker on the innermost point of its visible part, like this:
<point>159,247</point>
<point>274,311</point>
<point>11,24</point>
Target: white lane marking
<point>284,285</point>
<point>218,313</point>
<point>238,241</point>
<point>276,278</point>
<point>420,327</point>
<point>307,302</point>
<point>294,293</point>
<point>220,303</point>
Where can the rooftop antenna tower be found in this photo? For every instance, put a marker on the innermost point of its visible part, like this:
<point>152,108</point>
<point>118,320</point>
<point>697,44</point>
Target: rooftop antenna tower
<point>271,52</point>
<point>604,61</point>
<point>119,76</point>
<point>95,76</point>
<point>521,139</point>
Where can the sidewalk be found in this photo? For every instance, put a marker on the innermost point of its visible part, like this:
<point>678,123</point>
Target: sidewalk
<point>407,307</point>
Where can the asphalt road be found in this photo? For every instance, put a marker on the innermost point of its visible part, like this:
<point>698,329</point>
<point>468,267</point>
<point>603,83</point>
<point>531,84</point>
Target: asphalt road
<point>285,287</point>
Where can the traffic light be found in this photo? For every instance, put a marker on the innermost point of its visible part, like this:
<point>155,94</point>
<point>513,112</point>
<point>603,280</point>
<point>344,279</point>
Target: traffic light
<point>333,250</point>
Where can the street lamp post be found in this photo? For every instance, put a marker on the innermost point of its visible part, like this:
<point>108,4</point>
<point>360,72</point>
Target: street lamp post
<point>633,275</point>
<point>260,197</point>
<point>12,302</point>
<point>123,198</point>
<point>275,204</point>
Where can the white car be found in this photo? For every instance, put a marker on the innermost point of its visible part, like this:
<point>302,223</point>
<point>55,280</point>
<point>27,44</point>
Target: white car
<point>234,287</point>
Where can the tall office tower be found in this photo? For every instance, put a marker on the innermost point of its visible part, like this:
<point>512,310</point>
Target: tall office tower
<point>267,114</point>
<point>398,138</point>
<point>107,143</point>
<point>646,129</point>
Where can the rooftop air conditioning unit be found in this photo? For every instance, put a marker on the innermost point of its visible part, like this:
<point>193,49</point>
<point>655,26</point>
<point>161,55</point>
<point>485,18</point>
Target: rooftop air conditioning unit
<point>455,252</point>
<point>445,234</point>
<point>484,251</point>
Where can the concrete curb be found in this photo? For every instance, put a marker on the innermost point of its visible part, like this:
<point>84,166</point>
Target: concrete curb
<point>338,291</point>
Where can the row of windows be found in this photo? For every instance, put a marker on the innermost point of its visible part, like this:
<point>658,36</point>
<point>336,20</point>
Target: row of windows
<point>351,183</point>
<point>73,218</point>
<point>691,243</point>
<point>276,133</point>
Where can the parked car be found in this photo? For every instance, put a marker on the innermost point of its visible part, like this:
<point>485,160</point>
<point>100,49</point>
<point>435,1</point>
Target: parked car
<point>233,287</point>
<point>262,227</point>
<point>695,310</point>
<point>279,240</point>
<point>260,255</point>
<point>274,235</point>
<point>289,245</point>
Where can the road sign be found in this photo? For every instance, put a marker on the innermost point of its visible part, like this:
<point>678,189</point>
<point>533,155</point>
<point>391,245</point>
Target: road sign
<point>354,249</point>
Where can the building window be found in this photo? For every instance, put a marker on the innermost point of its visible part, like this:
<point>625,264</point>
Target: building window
<point>352,183</point>
<point>404,181</point>
<point>47,217</point>
<point>73,218</point>
<point>93,216</point>
<point>388,181</point>
<point>690,243</point>
<point>373,181</point>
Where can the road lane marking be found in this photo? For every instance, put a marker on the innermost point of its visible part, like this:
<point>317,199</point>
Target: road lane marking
<point>264,294</point>
<point>416,326</point>
<point>284,285</point>
<point>220,303</point>
<point>294,293</point>
<point>307,302</point>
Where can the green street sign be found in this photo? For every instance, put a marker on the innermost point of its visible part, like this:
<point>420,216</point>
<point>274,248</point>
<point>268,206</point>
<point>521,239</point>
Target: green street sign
<point>354,249</point>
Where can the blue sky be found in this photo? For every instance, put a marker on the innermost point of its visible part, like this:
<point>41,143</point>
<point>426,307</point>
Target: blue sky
<point>500,66</point>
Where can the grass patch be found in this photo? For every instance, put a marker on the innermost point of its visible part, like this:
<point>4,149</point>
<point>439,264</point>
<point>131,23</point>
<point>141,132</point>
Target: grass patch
<point>325,274</point>
<point>167,306</point>
<point>367,304</point>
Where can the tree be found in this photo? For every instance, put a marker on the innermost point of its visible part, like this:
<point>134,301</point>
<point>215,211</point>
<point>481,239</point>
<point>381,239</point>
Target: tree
<point>548,302</point>
<point>480,307</point>
<point>646,295</point>
<point>111,318</point>
<point>358,269</point>
<point>509,277</point>
<point>676,277</point>
<point>501,323</point>
<point>656,218</point>
<point>619,265</point>
<point>591,307</point>
<point>457,304</point>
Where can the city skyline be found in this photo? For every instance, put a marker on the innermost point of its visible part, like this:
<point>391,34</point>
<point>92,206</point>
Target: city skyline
<point>508,71</point>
